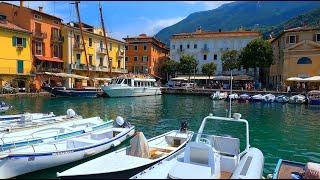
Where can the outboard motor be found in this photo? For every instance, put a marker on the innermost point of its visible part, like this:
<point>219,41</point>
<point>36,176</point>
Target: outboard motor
<point>121,122</point>
<point>71,113</point>
<point>183,126</point>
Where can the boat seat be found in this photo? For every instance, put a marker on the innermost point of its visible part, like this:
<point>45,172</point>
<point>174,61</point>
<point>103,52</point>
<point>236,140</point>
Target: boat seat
<point>200,158</point>
<point>80,142</point>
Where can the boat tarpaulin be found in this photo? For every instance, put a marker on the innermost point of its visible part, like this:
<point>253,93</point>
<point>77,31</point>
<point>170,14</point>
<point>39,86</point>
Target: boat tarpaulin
<point>139,146</point>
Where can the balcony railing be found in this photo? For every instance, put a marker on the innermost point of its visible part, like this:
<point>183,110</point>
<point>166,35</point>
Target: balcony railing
<point>119,70</point>
<point>39,35</point>
<point>102,50</point>
<point>48,69</point>
<point>91,68</point>
<point>78,46</point>
<point>205,50</point>
<point>57,39</point>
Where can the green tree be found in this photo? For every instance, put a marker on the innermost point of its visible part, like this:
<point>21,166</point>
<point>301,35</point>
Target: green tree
<point>188,65</point>
<point>257,54</point>
<point>230,60</point>
<point>209,69</point>
<point>170,67</point>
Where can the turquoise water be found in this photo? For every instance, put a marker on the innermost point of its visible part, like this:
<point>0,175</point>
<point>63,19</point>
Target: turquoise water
<point>279,131</point>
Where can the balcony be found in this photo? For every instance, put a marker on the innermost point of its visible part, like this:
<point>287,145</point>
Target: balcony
<point>205,50</point>
<point>102,51</point>
<point>180,51</point>
<point>47,69</point>
<point>78,46</point>
<point>57,39</point>
<point>119,70</point>
<point>19,47</point>
<point>84,67</point>
<point>39,35</point>
<point>120,53</point>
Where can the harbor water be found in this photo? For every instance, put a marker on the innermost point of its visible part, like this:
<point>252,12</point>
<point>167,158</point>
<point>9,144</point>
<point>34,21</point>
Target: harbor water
<point>279,130</point>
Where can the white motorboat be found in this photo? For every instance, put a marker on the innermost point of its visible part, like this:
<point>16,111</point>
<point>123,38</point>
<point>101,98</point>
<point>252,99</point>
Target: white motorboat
<point>314,98</point>
<point>282,99</point>
<point>29,116</point>
<point>126,162</point>
<point>219,95</point>
<point>257,98</point>
<point>268,98</point>
<point>210,157</point>
<point>21,160</point>
<point>244,98</point>
<point>51,132</point>
<point>297,99</point>
<point>129,86</point>
<point>4,107</point>
<point>233,96</point>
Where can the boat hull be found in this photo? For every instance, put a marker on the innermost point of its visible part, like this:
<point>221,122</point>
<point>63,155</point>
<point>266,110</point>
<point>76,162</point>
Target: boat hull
<point>33,162</point>
<point>90,93</point>
<point>314,102</point>
<point>131,91</point>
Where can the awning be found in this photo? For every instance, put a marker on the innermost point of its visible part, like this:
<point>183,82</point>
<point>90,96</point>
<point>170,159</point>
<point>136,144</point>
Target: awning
<point>294,79</point>
<point>309,79</point>
<point>216,78</point>
<point>102,79</point>
<point>65,75</point>
<point>42,58</point>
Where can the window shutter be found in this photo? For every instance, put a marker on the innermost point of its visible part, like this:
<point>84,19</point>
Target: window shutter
<point>24,42</point>
<point>297,38</point>
<point>14,41</point>
<point>60,48</point>
<point>287,40</point>
<point>314,37</point>
<point>43,49</point>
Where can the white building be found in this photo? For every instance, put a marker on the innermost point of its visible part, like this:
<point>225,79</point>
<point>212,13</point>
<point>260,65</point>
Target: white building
<point>209,46</point>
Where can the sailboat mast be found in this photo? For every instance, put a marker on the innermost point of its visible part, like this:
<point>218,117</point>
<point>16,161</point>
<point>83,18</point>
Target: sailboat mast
<point>81,33</point>
<point>230,103</point>
<point>104,35</point>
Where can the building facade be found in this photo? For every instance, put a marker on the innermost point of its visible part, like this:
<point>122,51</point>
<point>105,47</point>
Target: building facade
<point>296,54</point>
<point>15,55</point>
<point>208,47</point>
<point>145,55</point>
<point>98,63</point>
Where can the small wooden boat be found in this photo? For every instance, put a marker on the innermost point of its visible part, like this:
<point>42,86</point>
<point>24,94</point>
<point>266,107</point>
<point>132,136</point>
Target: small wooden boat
<point>126,162</point>
<point>244,98</point>
<point>75,92</point>
<point>52,132</point>
<point>257,98</point>
<point>268,98</point>
<point>54,153</point>
<point>297,99</point>
<point>282,99</point>
<point>210,157</point>
<point>219,96</point>
<point>314,97</point>
<point>296,170</point>
<point>4,107</point>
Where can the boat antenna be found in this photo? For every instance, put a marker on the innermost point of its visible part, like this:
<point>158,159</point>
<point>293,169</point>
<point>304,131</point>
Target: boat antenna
<point>82,38</point>
<point>105,36</point>
<point>230,101</point>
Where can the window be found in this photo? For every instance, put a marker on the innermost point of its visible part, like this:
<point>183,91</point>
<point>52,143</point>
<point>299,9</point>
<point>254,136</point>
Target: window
<point>37,16</point>
<point>78,38</point>
<point>144,58</point>
<point>318,37</point>
<point>292,39</point>
<point>181,47</point>
<point>195,46</point>
<point>55,32</point>
<point>173,47</point>
<point>188,46</point>
<point>144,47</point>
<point>127,47</point>
<point>90,42</point>
<point>205,46</point>
<point>101,61</point>
<point>135,48</point>
<point>110,46</point>
<point>90,60</point>
<point>304,60</point>
<point>204,57</point>
<point>101,44</point>
<point>126,58</point>
<point>56,22</point>
<point>119,63</point>
<point>78,58</point>
<point>135,58</point>
<point>18,41</point>
<point>38,47</point>
<point>215,57</point>
<point>56,50</point>
<point>20,66</point>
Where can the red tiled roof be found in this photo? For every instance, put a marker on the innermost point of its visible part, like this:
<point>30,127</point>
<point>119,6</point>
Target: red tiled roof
<point>41,58</point>
<point>8,25</point>
<point>215,34</point>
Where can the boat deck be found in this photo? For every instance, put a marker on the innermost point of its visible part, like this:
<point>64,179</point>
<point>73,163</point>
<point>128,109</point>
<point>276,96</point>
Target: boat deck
<point>287,168</point>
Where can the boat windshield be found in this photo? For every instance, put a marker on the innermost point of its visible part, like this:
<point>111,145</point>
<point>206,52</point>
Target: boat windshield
<point>116,81</point>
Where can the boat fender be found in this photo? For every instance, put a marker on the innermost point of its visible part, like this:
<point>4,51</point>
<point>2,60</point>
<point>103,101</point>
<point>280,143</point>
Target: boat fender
<point>119,121</point>
<point>89,153</point>
<point>115,143</point>
<point>71,113</point>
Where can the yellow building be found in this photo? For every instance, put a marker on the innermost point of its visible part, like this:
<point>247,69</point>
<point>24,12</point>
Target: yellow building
<point>296,54</point>
<point>15,55</point>
<point>99,66</point>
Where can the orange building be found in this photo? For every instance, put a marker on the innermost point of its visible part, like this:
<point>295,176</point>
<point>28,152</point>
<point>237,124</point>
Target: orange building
<point>145,55</point>
<point>46,35</point>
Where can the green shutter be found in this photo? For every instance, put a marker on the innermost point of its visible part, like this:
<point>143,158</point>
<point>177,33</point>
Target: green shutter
<point>14,41</point>
<point>20,66</point>
<point>24,42</point>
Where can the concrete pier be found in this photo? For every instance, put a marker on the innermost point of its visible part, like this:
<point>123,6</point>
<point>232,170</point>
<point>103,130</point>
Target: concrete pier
<point>47,94</point>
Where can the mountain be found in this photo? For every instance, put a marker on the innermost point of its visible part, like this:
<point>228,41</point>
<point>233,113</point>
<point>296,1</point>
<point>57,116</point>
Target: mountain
<point>232,16</point>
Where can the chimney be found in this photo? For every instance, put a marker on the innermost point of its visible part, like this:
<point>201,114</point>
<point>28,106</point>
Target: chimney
<point>199,29</point>
<point>40,8</point>
<point>219,30</point>
<point>21,4</point>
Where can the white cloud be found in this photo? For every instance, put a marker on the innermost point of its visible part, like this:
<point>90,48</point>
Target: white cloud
<point>208,5</point>
<point>156,25</point>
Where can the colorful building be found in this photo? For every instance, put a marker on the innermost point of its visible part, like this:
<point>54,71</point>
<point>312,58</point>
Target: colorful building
<point>145,55</point>
<point>99,65</point>
<point>46,36</point>
<point>15,55</point>
<point>296,54</point>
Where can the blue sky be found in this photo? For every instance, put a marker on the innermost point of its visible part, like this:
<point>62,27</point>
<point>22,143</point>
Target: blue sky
<point>124,18</point>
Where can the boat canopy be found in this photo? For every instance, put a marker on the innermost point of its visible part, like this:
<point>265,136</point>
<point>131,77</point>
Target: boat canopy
<point>309,79</point>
